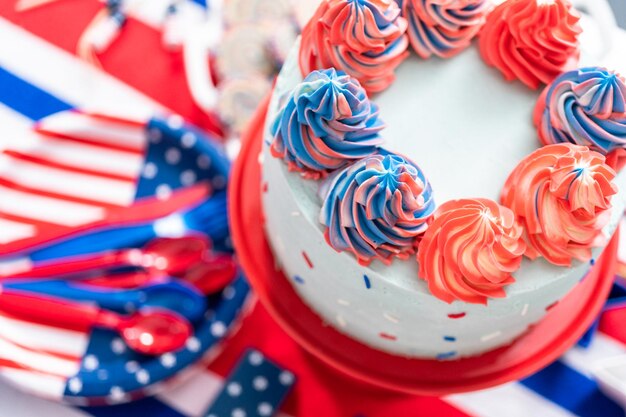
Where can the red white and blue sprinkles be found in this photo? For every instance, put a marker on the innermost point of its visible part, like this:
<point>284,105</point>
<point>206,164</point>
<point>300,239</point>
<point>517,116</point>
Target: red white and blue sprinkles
<point>368,283</point>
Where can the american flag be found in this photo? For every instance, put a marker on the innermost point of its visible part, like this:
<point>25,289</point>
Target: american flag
<point>75,171</point>
<point>64,170</point>
<point>39,357</point>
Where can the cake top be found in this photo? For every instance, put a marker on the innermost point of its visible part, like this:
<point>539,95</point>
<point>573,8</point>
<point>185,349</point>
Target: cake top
<point>379,205</point>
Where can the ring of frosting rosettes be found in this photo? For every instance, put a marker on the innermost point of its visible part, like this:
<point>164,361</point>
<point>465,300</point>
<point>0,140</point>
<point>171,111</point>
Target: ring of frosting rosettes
<point>379,206</point>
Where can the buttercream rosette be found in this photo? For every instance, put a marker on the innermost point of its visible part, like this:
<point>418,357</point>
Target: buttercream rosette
<point>365,38</point>
<point>531,40</point>
<point>443,27</point>
<point>376,208</point>
<point>585,107</point>
<point>327,122</point>
<point>470,251</point>
<point>562,195</point>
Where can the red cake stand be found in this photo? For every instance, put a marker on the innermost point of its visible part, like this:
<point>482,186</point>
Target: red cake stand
<point>564,324</point>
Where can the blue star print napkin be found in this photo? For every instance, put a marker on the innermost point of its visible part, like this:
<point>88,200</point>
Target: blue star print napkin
<point>256,388</point>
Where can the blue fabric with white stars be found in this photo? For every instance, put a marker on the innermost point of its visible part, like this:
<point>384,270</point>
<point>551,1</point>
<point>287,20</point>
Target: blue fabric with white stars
<point>177,156</point>
<point>110,372</point>
<point>256,388</point>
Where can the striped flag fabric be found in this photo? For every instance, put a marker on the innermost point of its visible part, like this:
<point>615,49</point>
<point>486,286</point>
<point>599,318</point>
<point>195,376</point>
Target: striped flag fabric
<point>144,24</point>
<point>40,358</point>
<point>76,171</point>
<point>71,173</point>
<point>36,78</point>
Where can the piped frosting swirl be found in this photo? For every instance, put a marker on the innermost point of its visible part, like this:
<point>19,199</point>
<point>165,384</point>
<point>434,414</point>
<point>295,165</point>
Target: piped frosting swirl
<point>376,208</point>
<point>443,27</point>
<point>531,40</point>
<point>470,250</point>
<point>326,122</point>
<point>364,38</point>
<point>585,107</point>
<point>562,195</point>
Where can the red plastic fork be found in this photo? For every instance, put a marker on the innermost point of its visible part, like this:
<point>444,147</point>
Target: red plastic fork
<point>208,276</point>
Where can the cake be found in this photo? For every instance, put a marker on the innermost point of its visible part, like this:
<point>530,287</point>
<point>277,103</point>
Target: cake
<point>437,175</point>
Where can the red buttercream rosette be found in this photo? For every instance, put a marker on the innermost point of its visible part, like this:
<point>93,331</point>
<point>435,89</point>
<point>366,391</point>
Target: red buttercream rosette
<point>562,195</point>
<point>531,40</point>
<point>470,250</point>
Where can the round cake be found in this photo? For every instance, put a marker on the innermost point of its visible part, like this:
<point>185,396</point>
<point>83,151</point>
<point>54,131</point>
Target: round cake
<point>438,174</point>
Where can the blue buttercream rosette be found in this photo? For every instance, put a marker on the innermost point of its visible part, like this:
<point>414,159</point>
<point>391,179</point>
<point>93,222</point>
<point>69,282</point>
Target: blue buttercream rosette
<point>327,122</point>
<point>584,107</point>
<point>377,207</point>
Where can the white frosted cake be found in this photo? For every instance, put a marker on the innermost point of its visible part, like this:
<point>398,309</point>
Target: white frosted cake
<point>467,129</point>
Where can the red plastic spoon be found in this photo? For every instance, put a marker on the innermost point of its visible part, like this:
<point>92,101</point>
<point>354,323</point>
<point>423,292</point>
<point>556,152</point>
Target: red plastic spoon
<point>149,331</point>
<point>212,275</point>
<point>171,256</point>
<point>208,276</point>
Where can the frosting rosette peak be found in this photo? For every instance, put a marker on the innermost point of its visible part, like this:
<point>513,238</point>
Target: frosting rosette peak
<point>376,208</point>
<point>470,251</point>
<point>532,41</point>
<point>365,38</point>
<point>327,122</point>
<point>586,107</point>
<point>562,196</point>
<point>443,27</point>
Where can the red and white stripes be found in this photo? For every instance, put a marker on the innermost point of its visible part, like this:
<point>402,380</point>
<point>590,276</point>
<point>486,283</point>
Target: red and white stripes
<point>68,173</point>
<point>40,357</point>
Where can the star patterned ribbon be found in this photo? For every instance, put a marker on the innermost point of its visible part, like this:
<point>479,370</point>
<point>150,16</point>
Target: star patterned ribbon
<point>256,388</point>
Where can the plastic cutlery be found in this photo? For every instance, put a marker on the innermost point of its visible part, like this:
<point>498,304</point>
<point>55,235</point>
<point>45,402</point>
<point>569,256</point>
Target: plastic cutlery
<point>207,218</point>
<point>172,295</point>
<point>159,256</point>
<point>208,276</point>
<point>123,280</point>
<point>150,332</point>
<point>212,275</point>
